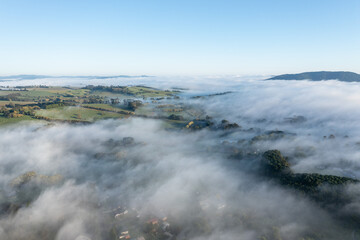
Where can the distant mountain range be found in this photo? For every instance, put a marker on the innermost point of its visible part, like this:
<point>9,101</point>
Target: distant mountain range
<point>31,77</point>
<point>319,76</point>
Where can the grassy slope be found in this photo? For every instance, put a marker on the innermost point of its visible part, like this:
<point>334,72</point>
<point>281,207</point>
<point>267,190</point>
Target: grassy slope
<point>3,103</point>
<point>77,113</point>
<point>6,121</point>
<point>136,91</point>
<point>107,107</point>
<point>34,93</point>
<point>148,92</point>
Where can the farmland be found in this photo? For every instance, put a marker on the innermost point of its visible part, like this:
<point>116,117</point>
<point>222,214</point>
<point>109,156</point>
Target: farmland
<point>88,104</point>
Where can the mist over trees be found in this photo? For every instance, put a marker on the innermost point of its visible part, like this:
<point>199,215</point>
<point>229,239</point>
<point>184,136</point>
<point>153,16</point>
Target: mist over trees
<point>279,166</point>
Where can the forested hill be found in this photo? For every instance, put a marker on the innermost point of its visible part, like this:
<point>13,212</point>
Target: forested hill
<point>318,76</point>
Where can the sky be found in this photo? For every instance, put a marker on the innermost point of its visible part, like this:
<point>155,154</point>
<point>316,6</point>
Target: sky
<point>187,37</point>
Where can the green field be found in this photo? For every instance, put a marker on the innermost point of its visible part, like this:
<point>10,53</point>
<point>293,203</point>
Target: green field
<point>6,121</point>
<point>166,111</point>
<point>63,91</point>
<point>148,92</point>
<point>36,93</point>
<point>33,94</point>
<point>53,92</point>
<point>107,107</point>
<point>4,93</point>
<point>174,124</point>
<point>58,103</point>
<point>135,91</point>
<point>77,113</point>
<point>109,94</point>
<point>3,103</point>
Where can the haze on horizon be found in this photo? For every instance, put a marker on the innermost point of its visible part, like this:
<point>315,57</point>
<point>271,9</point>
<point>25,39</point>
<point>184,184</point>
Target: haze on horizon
<point>178,37</point>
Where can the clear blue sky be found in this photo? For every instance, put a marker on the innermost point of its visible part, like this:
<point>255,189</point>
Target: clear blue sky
<point>181,37</point>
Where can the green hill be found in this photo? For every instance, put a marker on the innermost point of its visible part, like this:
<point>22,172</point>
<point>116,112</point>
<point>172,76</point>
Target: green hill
<point>319,76</point>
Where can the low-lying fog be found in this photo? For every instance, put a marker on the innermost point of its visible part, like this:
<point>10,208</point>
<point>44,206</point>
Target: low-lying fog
<point>136,164</point>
